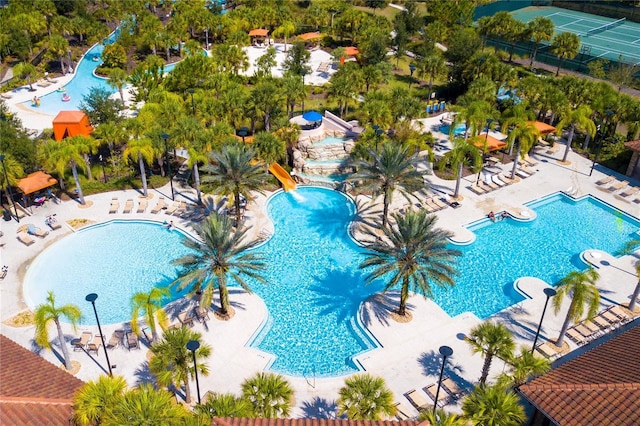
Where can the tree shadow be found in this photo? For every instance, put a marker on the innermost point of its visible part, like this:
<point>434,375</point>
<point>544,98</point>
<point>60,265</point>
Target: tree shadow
<point>380,306</point>
<point>143,375</point>
<point>320,408</point>
<point>517,321</point>
<point>431,363</point>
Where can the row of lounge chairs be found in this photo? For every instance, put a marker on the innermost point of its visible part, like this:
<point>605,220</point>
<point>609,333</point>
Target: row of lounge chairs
<point>491,183</point>
<point>178,208</point>
<point>450,392</point>
<point>588,330</point>
<point>611,184</point>
<point>90,343</point>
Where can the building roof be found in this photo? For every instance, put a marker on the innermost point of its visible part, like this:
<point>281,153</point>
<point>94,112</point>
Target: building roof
<point>35,181</point>
<point>633,145</point>
<point>492,144</point>
<point>312,422</point>
<point>542,127</point>
<point>599,387</point>
<point>32,390</point>
<point>258,32</point>
<point>310,36</point>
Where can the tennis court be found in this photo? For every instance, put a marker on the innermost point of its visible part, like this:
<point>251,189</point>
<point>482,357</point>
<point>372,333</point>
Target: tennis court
<point>601,38</point>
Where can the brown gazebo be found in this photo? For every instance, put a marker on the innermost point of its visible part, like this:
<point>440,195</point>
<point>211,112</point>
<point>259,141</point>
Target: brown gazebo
<point>35,182</point>
<point>259,36</point>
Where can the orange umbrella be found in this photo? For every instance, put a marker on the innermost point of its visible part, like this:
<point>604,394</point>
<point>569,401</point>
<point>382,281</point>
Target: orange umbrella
<point>542,127</point>
<point>309,36</point>
<point>492,144</point>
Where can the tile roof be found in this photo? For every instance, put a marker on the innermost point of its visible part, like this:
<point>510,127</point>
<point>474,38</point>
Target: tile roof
<point>32,390</point>
<point>633,145</point>
<point>601,386</point>
<point>312,422</point>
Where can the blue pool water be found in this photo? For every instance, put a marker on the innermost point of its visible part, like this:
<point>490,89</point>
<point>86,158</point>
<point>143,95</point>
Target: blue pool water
<point>315,286</point>
<point>459,130</point>
<point>329,140</point>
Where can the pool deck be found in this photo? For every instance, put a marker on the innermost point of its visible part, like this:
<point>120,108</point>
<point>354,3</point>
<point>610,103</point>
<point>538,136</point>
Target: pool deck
<point>408,358</point>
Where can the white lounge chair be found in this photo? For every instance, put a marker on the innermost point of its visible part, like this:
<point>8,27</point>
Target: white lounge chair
<point>417,399</point>
<point>128,206</point>
<point>605,180</point>
<point>142,206</point>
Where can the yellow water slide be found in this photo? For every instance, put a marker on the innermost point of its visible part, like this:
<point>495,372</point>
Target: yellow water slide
<point>281,174</point>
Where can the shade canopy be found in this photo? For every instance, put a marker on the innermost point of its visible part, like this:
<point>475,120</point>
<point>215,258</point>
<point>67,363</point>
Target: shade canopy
<point>71,123</point>
<point>309,36</point>
<point>542,127</point>
<point>351,51</point>
<point>258,32</point>
<point>312,116</point>
<point>35,182</point>
<point>492,144</point>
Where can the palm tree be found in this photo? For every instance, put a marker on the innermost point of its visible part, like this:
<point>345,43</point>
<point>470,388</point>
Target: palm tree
<point>25,70</point>
<point>463,153</point>
<point>269,148</point>
<point>581,287</point>
<point>286,29</point>
<point>149,305</point>
<point>14,173</point>
<point>541,29</point>
<point>413,253</point>
<point>490,339</point>
<point>389,169</point>
<point>270,394</point>
<point>565,46</point>
<point>199,149</point>
<point>47,312</point>
<point>223,405</point>
<point>147,406</point>
<point>432,66</point>
<point>493,406</point>
<point>523,367</point>
<point>95,400</point>
<point>142,150</point>
<point>172,362</point>
<point>441,418</point>
<point>364,397</point>
<point>219,253</point>
<point>58,45</point>
<point>522,133</point>
<point>233,172</point>
<point>577,118</point>
<point>118,79</point>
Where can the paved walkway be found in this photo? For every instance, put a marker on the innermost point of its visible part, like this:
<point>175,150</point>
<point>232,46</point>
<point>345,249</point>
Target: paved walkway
<point>408,357</point>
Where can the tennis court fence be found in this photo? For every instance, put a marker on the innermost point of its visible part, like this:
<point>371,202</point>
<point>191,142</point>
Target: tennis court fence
<point>606,27</point>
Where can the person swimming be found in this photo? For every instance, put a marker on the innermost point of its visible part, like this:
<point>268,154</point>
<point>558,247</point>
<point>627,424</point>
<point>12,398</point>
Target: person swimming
<point>492,216</point>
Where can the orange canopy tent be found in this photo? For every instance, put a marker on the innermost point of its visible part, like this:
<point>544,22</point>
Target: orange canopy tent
<point>259,32</point>
<point>492,144</point>
<point>309,36</point>
<point>35,182</point>
<point>542,127</point>
<point>71,123</point>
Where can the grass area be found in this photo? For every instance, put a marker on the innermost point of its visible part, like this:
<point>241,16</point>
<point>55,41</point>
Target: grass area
<point>388,12</point>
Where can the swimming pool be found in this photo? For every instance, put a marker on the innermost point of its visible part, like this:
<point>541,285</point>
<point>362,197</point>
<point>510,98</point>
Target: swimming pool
<point>315,287</point>
<point>458,131</point>
<point>330,140</point>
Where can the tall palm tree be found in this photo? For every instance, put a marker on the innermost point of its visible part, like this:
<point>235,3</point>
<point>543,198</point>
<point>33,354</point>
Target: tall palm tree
<point>270,394</point>
<point>27,71</point>
<point>172,362</point>
<point>364,397</point>
<point>48,312</point>
<point>199,149</point>
<point>14,173</point>
<point>234,172</point>
<point>223,405</point>
<point>432,66</point>
<point>629,248</point>
<point>577,118</point>
<point>541,29</point>
<point>58,46</point>
<point>522,133</point>
<point>442,418</point>
<point>389,169</point>
<point>219,254</point>
<point>522,367</point>
<point>58,155</point>
<point>463,153</point>
<point>581,287</point>
<point>140,149</point>
<point>565,46</point>
<point>493,406</point>
<point>147,406</point>
<point>490,339</point>
<point>286,29</point>
<point>412,254</point>
<point>149,305</point>
<point>95,400</point>
<point>118,79</point>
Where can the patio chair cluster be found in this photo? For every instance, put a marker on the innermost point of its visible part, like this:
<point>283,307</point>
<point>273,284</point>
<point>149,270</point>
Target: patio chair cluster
<point>491,183</point>
<point>620,188</point>
<point>605,321</point>
<point>431,203</point>
<point>549,350</point>
<point>450,392</point>
<point>92,343</point>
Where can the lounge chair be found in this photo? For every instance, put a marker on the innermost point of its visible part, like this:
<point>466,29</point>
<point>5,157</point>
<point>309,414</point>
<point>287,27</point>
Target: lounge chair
<point>521,173</point>
<point>605,180</point>
<point>132,340</point>
<point>182,209</point>
<point>585,331</point>
<point>402,412</point>
<point>148,335</point>
<point>116,339</point>
<point>81,342</point>
<point>115,205</point>
<point>620,313</point>
<point>142,206</point>
<point>527,170</point>
<point>201,314</point>
<point>431,206</point>
<point>52,223</point>
<point>417,399</point>
<point>601,322</point>
<point>95,344</point>
<point>438,202</point>
<point>617,185</point>
<point>529,161</point>
<point>452,388</point>
<point>489,182</point>
<point>159,205</point>
<point>25,239</point>
<point>37,232</point>
<point>628,192</point>
<point>443,398</point>
<point>128,206</point>
<point>554,148</point>
<point>505,179</point>
<point>548,350</point>
<point>171,209</point>
<point>576,336</point>
<point>185,318</point>
<point>495,179</point>
<point>593,328</point>
<point>477,189</point>
<point>610,317</point>
<point>487,188</point>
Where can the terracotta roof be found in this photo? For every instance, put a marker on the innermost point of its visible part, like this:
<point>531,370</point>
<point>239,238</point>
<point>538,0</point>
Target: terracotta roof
<point>311,422</point>
<point>35,182</point>
<point>309,36</point>
<point>351,51</point>
<point>542,127</point>
<point>493,144</point>
<point>259,32</point>
<point>633,145</point>
<point>599,387</point>
<point>32,390</point>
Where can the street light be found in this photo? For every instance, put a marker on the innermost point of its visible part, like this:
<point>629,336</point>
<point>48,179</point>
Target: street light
<point>166,158</point>
<point>446,352</point>
<point>6,178</point>
<point>91,297</point>
<point>193,346</point>
<point>412,68</point>
<point>193,105</point>
<point>303,72</point>
<point>486,141</point>
<point>549,292</point>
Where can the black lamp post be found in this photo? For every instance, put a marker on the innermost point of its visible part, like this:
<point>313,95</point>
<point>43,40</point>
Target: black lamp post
<point>303,72</point>
<point>486,140</point>
<point>446,352</point>
<point>549,292</point>
<point>193,346</point>
<point>412,68</point>
<point>242,134</point>
<point>166,157</point>
<point>6,178</point>
<point>193,105</point>
<point>91,297</point>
